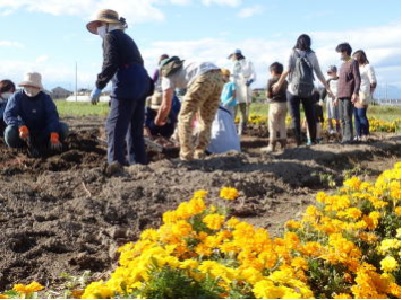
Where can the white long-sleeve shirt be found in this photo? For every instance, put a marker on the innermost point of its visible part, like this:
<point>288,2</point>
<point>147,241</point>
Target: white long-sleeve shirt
<point>242,71</point>
<point>367,76</point>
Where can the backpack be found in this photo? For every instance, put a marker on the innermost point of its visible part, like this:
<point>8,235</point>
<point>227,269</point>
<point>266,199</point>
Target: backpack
<point>171,65</point>
<point>302,82</point>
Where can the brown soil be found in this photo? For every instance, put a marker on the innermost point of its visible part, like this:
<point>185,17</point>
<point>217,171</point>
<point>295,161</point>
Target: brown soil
<point>64,213</point>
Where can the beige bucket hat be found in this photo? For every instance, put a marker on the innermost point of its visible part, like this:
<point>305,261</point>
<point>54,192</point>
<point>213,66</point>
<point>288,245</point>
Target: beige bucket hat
<point>108,16</point>
<point>32,79</point>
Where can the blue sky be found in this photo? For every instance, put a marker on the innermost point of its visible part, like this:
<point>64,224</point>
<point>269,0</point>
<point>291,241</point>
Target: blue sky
<point>50,36</point>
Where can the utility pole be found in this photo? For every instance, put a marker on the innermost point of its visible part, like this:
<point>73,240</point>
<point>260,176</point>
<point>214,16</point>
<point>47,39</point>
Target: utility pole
<point>76,83</point>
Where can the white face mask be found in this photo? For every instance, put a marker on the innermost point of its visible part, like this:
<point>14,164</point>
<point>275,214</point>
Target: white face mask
<point>31,91</point>
<point>6,95</point>
<point>101,30</point>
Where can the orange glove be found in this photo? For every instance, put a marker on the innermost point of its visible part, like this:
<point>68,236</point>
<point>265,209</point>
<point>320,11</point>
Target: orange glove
<point>23,132</point>
<point>54,141</point>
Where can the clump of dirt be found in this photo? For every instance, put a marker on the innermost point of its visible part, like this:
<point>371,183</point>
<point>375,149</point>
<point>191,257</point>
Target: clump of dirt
<point>65,214</point>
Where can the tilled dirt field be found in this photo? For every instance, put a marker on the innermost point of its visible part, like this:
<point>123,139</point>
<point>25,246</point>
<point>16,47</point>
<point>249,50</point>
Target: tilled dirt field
<point>65,213</point>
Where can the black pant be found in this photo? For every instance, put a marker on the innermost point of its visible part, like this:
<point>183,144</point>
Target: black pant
<point>308,105</point>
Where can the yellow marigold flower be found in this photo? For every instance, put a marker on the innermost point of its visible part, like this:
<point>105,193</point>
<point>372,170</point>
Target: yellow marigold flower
<point>292,224</point>
<point>300,263</point>
<point>232,223</point>
<point>97,290</point>
<point>29,288</point>
<point>197,205</point>
<point>388,264</point>
<point>3,296</point>
<point>364,186</point>
<point>229,193</point>
<point>312,248</point>
<point>202,250</point>
<point>369,237</point>
<point>388,245</point>
<point>266,289</point>
<point>170,216</point>
<point>188,264</point>
<point>149,234</point>
<point>397,210</point>
<point>214,221</point>
<point>320,197</point>
<point>342,296</point>
<point>353,182</point>
<point>200,194</point>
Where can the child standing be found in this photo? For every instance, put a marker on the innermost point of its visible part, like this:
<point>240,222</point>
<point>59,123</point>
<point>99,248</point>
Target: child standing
<point>228,96</point>
<point>277,110</point>
<point>332,107</point>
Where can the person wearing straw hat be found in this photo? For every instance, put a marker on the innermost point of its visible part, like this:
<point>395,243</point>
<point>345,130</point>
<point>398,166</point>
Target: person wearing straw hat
<point>166,130</point>
<point>124,66</point>
<point>32,118</point>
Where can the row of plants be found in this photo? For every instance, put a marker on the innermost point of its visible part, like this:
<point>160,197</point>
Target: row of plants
<point>375,124</point>
<point>346,245</point>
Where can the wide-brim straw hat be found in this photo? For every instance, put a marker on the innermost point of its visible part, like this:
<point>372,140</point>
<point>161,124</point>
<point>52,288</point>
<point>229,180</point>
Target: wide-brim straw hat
<point>156,100</point>
<point>108,16</point>
<point>32,79</point>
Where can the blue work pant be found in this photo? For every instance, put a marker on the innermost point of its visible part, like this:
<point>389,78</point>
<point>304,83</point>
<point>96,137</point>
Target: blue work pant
<point>361,121</point>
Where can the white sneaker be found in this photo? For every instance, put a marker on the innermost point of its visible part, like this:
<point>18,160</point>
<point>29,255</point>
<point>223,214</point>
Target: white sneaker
<point>332,131</point>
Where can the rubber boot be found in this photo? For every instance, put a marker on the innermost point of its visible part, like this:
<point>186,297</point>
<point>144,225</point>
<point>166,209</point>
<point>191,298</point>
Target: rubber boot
<point>283,144</point>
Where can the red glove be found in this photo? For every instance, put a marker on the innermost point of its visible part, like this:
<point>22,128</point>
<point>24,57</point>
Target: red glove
<point>54,141</point>
<point>23,132</point>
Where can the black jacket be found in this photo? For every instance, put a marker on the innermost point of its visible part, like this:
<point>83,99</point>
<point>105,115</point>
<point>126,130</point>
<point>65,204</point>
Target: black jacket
<point>119,52</point>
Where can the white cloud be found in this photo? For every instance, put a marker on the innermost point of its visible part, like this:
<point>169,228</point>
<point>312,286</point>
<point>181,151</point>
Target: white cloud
<point>250,11</point>
<point>42,59</point>
<point>231,3</point>
<point>11,44</point>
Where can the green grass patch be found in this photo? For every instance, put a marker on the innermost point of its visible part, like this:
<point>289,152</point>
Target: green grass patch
<point>386,113</point>
<point>81,108</point>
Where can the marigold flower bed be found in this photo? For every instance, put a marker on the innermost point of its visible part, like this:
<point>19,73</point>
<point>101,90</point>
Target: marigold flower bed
<point>347,245</point>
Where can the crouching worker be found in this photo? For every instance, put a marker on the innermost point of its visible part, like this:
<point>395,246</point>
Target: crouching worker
<point>32,119</point>
<point>161,133</point>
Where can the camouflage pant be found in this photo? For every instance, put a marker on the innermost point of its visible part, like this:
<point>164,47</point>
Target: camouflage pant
<point>202,97</point>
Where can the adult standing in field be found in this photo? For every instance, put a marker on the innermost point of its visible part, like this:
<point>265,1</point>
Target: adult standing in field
<point>123,64</point>
<point>32,119</point>
<point>368,84</point>
<point>243,75</point>
<point>301,66</point>
<point>348,90</point>
<point>332,107</point>
<point>204,83</point>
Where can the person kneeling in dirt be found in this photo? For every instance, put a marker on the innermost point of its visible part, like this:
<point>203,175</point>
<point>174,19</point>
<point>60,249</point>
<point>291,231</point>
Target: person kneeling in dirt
<point>7,89</point>
<point>32,119</point>
<point>161,133</point>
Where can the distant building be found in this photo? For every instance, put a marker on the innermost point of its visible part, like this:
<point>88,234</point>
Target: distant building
<point>60,93</point>
<point>84,95</point>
